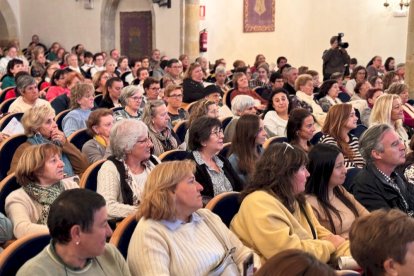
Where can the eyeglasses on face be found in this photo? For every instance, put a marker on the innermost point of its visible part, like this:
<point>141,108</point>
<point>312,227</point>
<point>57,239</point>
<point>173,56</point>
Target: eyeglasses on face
<point>218,132</point>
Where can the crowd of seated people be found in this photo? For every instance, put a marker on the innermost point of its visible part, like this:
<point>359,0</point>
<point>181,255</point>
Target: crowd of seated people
<point>304,191</point>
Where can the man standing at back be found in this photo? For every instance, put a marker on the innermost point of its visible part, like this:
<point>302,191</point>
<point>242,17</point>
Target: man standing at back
<point>334,59</point>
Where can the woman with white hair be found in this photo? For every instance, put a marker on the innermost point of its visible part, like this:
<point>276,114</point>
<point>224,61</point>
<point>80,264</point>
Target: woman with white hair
<point>122,177</point>
<point>131,100</point>
<point>240,105</point>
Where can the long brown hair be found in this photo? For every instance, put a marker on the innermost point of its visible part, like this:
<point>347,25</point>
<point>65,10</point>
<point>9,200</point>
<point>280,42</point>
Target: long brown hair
<point>244,142</point>
<point>335,122</point>
<point>274,173</point>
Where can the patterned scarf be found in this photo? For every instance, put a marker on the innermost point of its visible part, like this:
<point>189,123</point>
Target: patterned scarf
<point>162,141</point>
<point>38,139</point>
<point>45,196</point>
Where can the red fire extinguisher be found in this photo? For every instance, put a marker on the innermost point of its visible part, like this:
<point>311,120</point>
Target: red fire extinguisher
<point>203,41</point>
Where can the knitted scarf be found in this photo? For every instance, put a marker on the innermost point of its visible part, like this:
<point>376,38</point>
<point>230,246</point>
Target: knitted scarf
<point>163,141</point>
<point>45,196</point>
<point>38,139</point>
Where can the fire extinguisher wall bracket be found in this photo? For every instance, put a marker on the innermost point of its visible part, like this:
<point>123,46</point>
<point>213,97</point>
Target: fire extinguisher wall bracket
<point>203,40</point>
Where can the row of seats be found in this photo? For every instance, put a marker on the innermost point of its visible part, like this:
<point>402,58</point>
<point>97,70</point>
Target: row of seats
<point>225,205</point>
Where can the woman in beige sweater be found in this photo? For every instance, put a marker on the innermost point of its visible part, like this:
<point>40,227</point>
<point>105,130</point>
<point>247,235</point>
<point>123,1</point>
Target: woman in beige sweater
<point>335,208</point>
<point>40,172</point>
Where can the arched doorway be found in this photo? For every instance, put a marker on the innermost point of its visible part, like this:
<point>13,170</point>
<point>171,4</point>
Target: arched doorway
<point>8,23</point>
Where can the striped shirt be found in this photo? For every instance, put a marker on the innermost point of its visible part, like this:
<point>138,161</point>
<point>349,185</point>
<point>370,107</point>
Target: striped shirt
<point>357,160</point>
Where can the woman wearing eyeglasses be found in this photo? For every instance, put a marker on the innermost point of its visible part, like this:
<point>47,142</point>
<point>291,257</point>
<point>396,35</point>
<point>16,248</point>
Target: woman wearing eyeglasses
<point>173,95</point>
<point>131,99</point>
<point>214,172</point>
<point>274,215</point>
<point>122,177</point>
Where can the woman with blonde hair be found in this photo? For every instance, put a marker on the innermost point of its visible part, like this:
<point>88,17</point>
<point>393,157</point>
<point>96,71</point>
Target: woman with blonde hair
<point>178,236</point>
<point>388,109</point>
<point>401,89</point>
<point>40,128</point>
<point>40,172</point>
<point>341,119</point>
<point>99,81</point>
<point>304,93</point>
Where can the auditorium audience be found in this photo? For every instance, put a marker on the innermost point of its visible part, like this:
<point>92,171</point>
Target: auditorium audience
<point>40,172</point>
<point>99,126</point>
<point>162,137</point>
<point>390,78</point>
<point>382,243</point>
<point>241,87</point>
<point>29,95</point>
<point>122,177</point>
<point>300,129</point>
<point>13,67</point>
<point>328,94</point>
<point>246,146</point>
<point>81,102</point>
<point>359,75</point>
<point>131,99</point>
<point>57,85</point>
<point>401,90</point>
<point>213,171</point>
<point>276,114</point>
<point>178,236</point>
<point>200,108</point>
<point>372,95</point>
<point>378,185</point>
<point>173,96</point>
<point>304,93</point>
<point>78,227</point>
<point>113,90</point>
<point>240,105</point>
<point>193,83</point>
<point>99,82</point>
<point>388,109</point>
<point>341,119</point>
<point>274,215</point>
<point>334,207</point>
<point>40,128</point>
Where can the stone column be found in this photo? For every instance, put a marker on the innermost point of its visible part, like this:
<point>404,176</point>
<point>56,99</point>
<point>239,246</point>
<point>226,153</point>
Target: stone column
<point>409,64</point>
<point>191,28</point>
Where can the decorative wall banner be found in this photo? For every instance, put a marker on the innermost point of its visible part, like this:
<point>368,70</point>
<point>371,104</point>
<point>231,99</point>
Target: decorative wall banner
<point>259,16</point>
<point>136,33</point>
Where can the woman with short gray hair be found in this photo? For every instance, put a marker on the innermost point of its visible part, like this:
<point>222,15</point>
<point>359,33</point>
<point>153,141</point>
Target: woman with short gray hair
<point>122,177</point>
<point>131,100</point>
<point>29,95</point>
<point>240,105</point>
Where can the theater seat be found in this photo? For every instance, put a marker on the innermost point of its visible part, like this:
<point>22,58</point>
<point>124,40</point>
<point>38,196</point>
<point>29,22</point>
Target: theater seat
<point>225,205</point>
<point>123,233</point>
<point>20,251</point>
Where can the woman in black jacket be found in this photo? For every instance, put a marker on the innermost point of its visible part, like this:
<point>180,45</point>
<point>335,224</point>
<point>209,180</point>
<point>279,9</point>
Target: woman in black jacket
<point>214,172</point>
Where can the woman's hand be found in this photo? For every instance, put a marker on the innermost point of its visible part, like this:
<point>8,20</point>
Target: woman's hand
<point>336,240</point>
<point>58,136</point>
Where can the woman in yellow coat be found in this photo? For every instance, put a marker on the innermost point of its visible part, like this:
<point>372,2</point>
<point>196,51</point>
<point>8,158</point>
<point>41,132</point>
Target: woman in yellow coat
<point>274,215</point>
